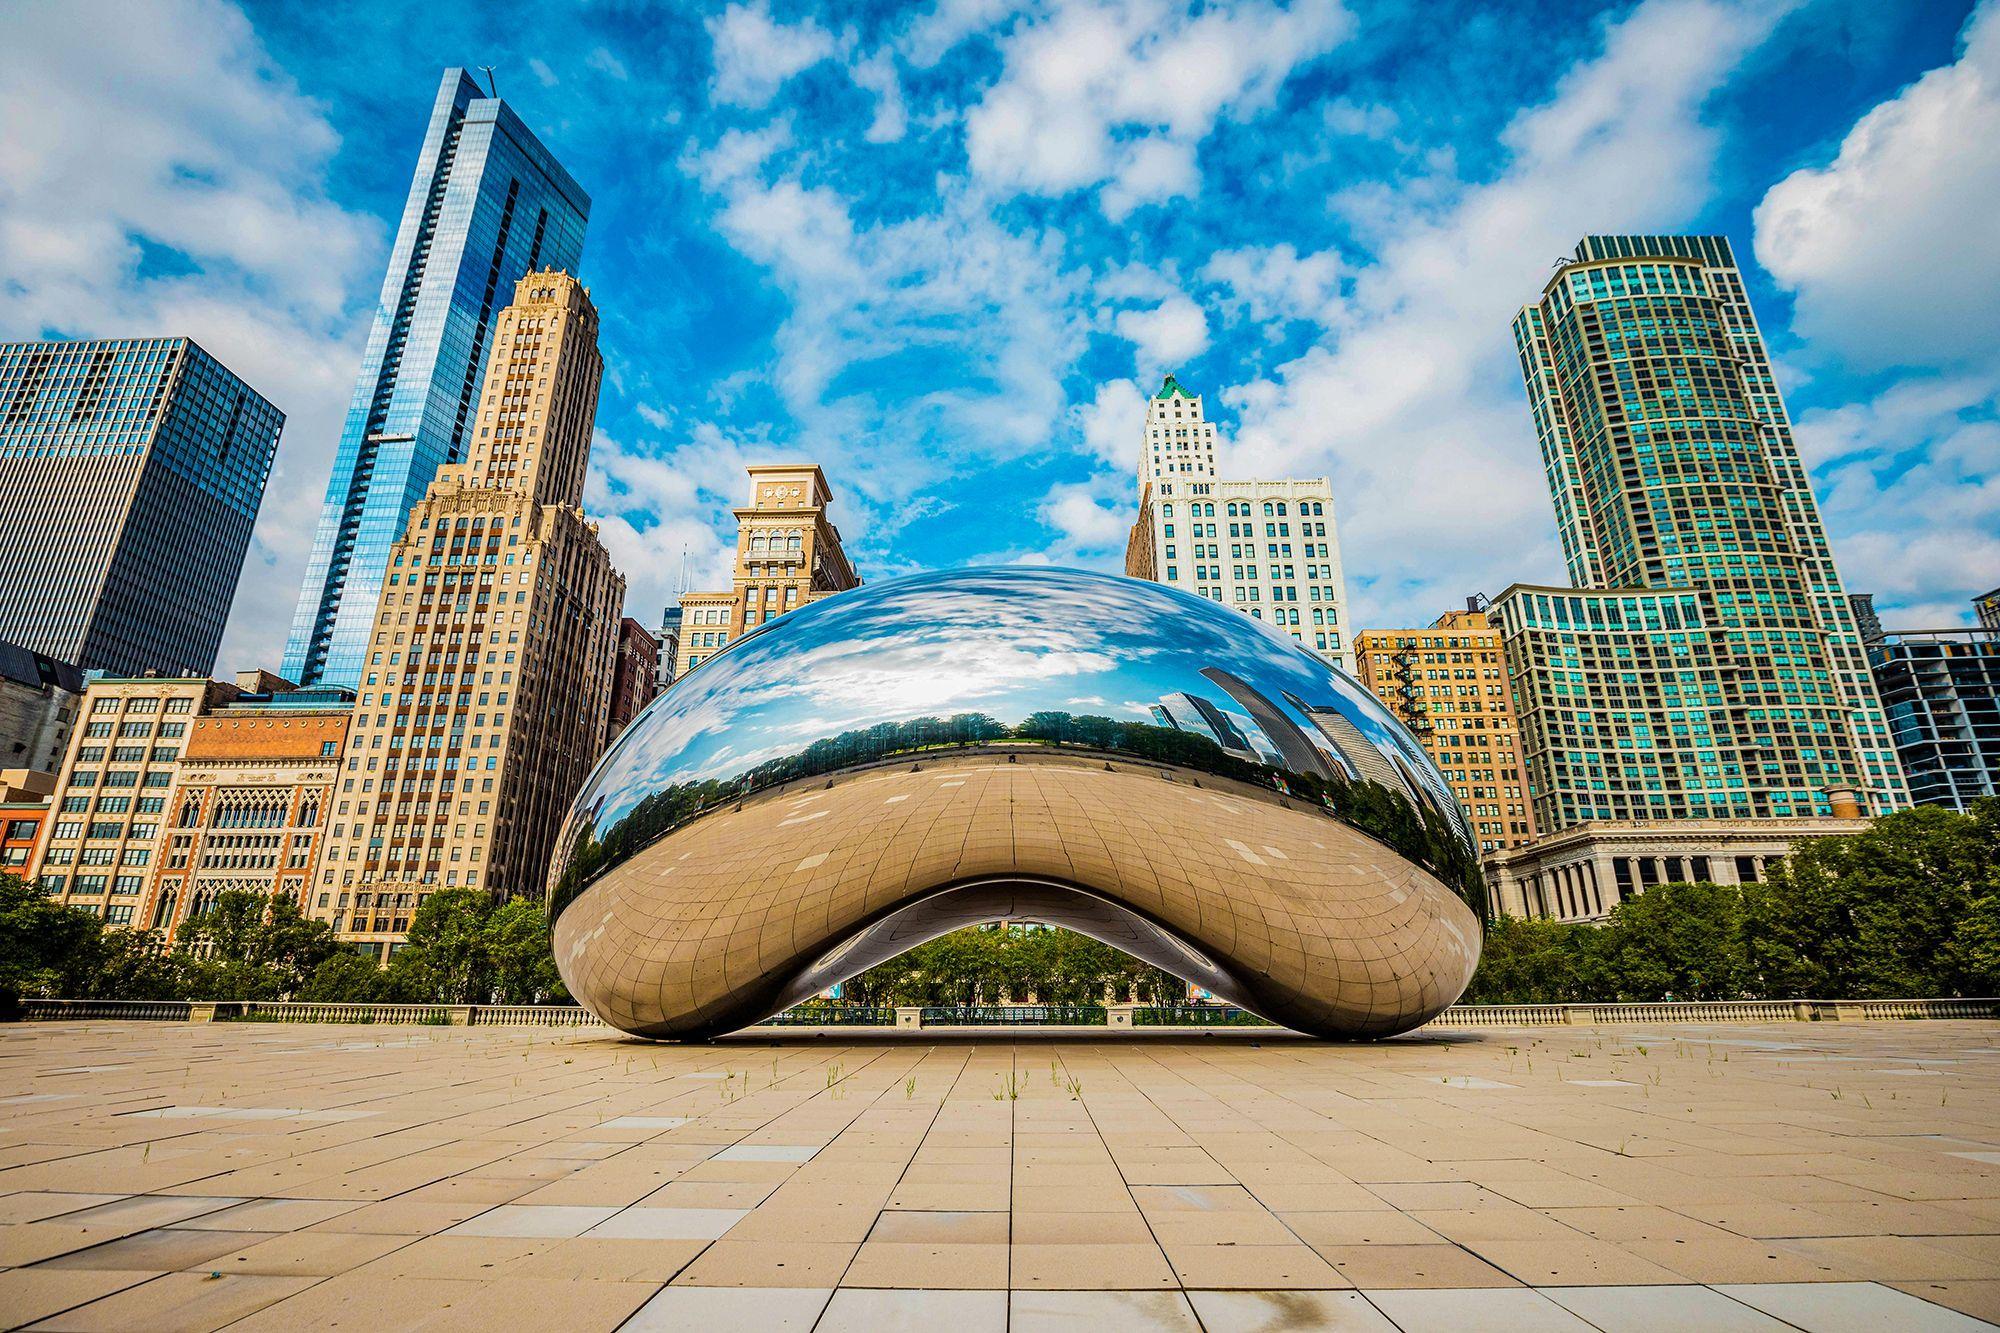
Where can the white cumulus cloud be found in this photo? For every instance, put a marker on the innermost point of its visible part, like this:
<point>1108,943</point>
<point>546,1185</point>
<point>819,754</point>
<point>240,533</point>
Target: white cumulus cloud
<point>1172,332</point>
<point>1892,250</point>
<point>1120,91</point>
<point>1892,254</point>
<point>755,54</point>
<point>1412,402</point>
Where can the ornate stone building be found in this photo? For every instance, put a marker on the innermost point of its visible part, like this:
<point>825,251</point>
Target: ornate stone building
<point>1270,549</point>
<point>250,800</point>
<point>788,553</point>
<point>486,688</point>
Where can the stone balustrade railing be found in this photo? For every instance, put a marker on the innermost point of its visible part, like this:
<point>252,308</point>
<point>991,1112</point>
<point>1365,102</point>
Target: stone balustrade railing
<point>1184,1018</point>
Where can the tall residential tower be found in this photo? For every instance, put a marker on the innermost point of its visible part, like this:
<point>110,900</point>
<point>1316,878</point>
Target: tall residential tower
<point>486,688</point>
<point>1280,561</point>
<point>130,474</point>
<point>487,205</point>
<point>1707,661</point>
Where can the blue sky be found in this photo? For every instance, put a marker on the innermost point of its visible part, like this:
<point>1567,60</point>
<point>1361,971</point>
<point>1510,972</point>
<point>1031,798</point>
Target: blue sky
<point>945,249</point>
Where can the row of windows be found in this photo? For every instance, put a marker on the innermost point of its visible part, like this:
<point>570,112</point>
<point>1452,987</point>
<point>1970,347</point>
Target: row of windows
<point>1242,509</point>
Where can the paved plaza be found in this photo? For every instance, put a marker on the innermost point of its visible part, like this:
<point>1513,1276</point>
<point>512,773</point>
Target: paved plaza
<point>1821,1176</point>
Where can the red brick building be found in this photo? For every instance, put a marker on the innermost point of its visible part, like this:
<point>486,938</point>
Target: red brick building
<point>638,674</point>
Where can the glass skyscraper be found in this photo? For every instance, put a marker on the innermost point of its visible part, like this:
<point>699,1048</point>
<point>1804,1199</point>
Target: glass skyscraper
<point>130,475</point>
<point>1941,690</point>
<point>1707,662</point>
<point>488,204</point>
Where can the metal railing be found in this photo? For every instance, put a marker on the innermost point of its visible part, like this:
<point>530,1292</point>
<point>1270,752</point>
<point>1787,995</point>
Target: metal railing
<point>834,1016</point>
<point>1195,1016</point>
<point>1004,1015</point>
<point>1000,1015</point>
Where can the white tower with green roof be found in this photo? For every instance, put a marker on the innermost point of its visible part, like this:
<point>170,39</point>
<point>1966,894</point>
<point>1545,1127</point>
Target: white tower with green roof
<point>1271,549</point>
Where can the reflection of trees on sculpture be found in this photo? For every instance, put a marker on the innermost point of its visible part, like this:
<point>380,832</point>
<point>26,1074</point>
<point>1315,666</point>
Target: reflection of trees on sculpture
<point>1011,964</point>
<point>1419,834</point>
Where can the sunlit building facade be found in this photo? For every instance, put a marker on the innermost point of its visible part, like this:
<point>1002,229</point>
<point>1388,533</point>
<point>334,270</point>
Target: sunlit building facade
<point>1448,684</point>
<point>108,814</point>
<point>488,203</point>
<point>248,809</point>
<point>788,553</point>
<point>486,689</point>
<point>1270,549</point>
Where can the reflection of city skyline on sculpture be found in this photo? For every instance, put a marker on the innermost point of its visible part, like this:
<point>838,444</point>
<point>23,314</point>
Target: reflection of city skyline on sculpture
<point>948,659</point>
<point>1017,665</point>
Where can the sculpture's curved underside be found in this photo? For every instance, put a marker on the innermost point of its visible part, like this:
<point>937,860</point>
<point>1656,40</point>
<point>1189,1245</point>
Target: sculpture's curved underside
<point>1146,767</point>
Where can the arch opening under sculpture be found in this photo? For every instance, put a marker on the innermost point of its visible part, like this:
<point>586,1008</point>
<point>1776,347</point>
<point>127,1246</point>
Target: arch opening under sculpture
<point>1015,898</point>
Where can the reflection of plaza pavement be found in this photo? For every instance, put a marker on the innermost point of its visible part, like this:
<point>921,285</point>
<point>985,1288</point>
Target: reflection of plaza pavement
<point>1817,1176</point>
<point>1311,923</point>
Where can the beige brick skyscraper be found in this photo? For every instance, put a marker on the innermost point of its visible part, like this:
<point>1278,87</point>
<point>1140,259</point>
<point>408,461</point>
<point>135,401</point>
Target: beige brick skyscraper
<point>1448,685</point>
<point>484,697</point>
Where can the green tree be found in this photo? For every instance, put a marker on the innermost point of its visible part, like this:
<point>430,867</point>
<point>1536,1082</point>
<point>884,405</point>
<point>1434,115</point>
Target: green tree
<point>464,948</point>
<point>1889,912</point>
<point>250,946</point>
<point>517,946</point>
<point>47,950</point>
<point>1972,960</point>
<point>1538,962</point>
<point>348,978</point>
<point>444,958</point>
<point>1676,942</point>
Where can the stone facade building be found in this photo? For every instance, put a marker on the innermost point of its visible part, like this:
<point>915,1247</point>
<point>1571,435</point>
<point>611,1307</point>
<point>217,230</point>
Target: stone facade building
<point>1280,559</point>
<point>788,553</point>
<point>1582,872</point>
<point>249,805</point>
<point>486,685</point>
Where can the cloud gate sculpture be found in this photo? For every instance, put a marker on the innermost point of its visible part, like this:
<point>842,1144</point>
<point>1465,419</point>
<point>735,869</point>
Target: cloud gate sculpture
<point>1152,769</point>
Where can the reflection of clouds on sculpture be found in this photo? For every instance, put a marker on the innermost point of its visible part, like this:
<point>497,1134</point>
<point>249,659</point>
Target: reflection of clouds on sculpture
<point>1008,645</point>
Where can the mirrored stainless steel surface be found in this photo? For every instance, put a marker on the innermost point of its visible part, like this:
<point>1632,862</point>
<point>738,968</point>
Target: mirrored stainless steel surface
<point>1052,692</point>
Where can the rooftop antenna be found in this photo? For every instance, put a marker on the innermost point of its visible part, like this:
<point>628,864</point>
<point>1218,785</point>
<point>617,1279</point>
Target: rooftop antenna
<point>487,70</point>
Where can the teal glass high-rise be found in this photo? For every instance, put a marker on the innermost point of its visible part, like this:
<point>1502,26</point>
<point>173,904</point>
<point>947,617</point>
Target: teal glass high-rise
<point>1706,663</point>
<point>488,204</point>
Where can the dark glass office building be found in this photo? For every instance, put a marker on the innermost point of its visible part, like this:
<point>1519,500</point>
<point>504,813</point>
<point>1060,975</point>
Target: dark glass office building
<point>130,475</point>
<point>488,204</point>
<point>1941,690</point>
